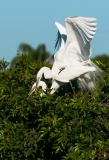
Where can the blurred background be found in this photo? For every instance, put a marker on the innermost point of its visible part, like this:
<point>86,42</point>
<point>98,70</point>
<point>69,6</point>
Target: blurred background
<point>29,26</point>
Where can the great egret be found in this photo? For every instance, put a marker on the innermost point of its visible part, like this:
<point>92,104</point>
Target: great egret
<point>69,60</point>
<point>80,31</point>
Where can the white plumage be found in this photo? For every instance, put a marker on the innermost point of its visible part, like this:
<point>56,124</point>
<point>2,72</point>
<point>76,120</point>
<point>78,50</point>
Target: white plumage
<point>72,60</point>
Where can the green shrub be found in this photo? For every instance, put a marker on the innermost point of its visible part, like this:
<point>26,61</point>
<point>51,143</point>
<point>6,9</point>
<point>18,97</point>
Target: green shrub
<point>52,127</point>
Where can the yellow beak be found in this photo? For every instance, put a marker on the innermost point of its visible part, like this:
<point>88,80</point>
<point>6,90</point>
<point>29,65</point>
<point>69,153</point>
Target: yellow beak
<point>32,90</point>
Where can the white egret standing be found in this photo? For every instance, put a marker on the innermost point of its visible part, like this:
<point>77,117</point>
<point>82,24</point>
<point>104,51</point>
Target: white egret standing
<point>74,52</point>
<point>80,31</point>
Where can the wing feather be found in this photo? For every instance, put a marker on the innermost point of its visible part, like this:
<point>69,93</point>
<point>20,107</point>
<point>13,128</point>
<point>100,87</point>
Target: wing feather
<point>58,41</point>
<point>61,36</point>
<point>88,19</point>
<point>80,30</point>
<point>72,72</point>
<point>85,30</point>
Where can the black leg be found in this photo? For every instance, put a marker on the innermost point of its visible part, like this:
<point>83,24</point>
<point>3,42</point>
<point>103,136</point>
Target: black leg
<point>72,88</point>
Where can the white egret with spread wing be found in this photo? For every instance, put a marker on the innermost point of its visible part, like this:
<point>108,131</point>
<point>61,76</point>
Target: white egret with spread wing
<point>73,58</point>
<point>80,31</point>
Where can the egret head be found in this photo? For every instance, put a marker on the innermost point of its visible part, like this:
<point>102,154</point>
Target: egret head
<point>38,82</point>
<point>34,87</point>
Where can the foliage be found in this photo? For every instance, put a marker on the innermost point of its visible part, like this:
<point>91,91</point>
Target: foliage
<point>54,126</point>
<point>104,58</point>
<point>38,54</point>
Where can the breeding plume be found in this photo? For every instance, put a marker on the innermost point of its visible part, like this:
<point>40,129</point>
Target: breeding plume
<point>72,60</point>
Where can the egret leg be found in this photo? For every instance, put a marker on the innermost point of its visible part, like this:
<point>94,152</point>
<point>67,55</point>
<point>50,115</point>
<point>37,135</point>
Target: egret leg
<point>65,87</point>
<point>72,88</point>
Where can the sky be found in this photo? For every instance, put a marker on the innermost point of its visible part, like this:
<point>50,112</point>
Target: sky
<point>33,22</point>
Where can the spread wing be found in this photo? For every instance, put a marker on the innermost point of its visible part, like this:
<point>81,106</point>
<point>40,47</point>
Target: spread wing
<point>60,41</point>
<point>61,36</point>
<point>80,31</point>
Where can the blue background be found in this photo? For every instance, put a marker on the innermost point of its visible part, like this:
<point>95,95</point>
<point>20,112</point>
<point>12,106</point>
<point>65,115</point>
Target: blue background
<point>32,22</point>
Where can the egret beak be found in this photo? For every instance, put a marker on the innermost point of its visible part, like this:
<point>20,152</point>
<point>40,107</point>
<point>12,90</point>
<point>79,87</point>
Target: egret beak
<point>34,88</point>
<point>32,91</point>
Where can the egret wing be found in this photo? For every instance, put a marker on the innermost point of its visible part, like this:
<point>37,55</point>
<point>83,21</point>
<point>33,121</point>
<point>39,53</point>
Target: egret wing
<point>60,41</point>
<point>72,72</point>
<point>80,31</point>
<point>61,36</point>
